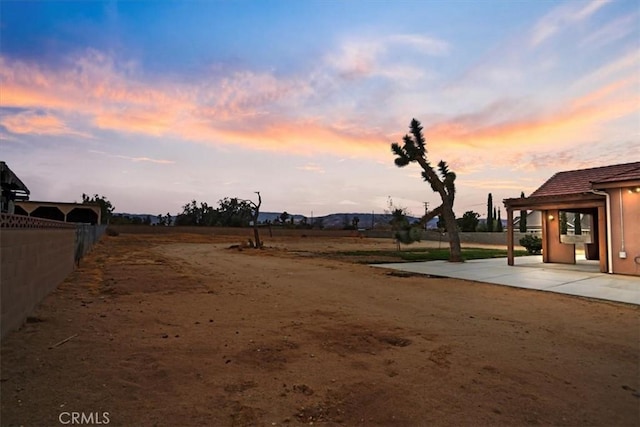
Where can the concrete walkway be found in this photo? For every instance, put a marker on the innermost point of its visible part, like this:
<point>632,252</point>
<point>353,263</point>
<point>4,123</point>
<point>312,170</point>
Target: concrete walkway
<point>582,279</point>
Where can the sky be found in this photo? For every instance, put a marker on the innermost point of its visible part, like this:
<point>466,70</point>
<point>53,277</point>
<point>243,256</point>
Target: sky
<point>156,103</point>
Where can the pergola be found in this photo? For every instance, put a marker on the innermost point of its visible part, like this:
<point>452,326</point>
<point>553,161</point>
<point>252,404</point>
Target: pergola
<point>553,250</point>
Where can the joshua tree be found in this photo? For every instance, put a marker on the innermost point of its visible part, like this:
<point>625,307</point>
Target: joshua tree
<point>354,222</point>
<point>442,182</point>
<point>403,232</point>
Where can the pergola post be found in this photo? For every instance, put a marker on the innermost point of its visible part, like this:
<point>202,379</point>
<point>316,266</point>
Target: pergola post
<point>510,239</point>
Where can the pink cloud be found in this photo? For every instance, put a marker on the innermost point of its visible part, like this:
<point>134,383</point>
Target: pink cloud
<point>135,159</point>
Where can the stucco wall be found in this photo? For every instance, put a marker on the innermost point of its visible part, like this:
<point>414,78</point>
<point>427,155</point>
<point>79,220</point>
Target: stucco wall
<point>553,250</point>
<point>626,225</point>
<point>33,263</point>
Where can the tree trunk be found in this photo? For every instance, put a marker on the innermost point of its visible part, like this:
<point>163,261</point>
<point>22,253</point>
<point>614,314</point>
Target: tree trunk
<point>455,251</point>
<point>256,235</point>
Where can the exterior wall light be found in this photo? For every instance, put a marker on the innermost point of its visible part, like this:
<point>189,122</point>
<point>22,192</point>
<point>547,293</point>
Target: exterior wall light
<point>550,217</point>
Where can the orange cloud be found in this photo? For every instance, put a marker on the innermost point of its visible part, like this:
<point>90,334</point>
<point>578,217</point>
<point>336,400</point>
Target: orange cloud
<point>150,122</point>
<point>38,124</point>
<point>304,137</point>
<point>573,123</point>
<point>14,95</point>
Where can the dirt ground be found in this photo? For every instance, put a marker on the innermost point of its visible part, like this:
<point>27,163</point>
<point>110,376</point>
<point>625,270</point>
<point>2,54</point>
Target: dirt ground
<point>180,330</point>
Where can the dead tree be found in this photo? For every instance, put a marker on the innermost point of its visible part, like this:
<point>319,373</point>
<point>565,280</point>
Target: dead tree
<point>256,213</point>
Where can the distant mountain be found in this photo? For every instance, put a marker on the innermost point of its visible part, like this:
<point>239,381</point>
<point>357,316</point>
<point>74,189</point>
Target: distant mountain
<point>275,217</point>
<point>366,220</point>
<point>333,221</point>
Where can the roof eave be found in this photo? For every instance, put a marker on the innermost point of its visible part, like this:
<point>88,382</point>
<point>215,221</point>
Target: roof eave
<point>558,201</point>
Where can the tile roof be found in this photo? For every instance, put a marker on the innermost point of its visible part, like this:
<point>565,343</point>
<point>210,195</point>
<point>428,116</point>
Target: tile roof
<point>580,181</point>
<point>628,175</point>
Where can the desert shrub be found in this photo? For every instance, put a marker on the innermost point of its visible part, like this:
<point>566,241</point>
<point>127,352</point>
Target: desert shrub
<point>408,235</point>
<point>111,232</point>
<point>532,243</point>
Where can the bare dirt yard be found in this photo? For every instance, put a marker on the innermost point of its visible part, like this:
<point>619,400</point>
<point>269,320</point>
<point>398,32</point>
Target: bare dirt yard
<point>180,330</point>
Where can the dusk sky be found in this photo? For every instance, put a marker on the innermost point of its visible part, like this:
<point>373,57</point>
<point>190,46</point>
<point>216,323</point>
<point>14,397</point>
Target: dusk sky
<point>155,103</point>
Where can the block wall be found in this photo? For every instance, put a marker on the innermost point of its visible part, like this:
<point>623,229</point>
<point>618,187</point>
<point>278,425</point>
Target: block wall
<point>33,262</point>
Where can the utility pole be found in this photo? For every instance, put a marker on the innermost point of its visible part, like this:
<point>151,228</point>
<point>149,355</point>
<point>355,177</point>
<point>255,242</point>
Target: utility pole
<point>426,211</point>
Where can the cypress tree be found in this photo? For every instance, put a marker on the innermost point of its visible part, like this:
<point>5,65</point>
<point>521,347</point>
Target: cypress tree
<point>563,222</point>
<point>577,225</point>
<point>494,223</point>
<point>490,213</point>
<point>499,227</point>
<point>523,217</point>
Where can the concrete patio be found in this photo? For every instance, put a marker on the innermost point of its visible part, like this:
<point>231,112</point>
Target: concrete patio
<point>581,279</point>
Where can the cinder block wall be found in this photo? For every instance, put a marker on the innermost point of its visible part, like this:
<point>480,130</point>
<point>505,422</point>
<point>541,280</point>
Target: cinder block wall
<point>479,238</point>
<point>33,263</point>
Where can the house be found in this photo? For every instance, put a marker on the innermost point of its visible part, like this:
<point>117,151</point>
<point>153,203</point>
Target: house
<point>13,189</point>
<point>60,211</point>
<point>15,201</point>
<point>607,197</point>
